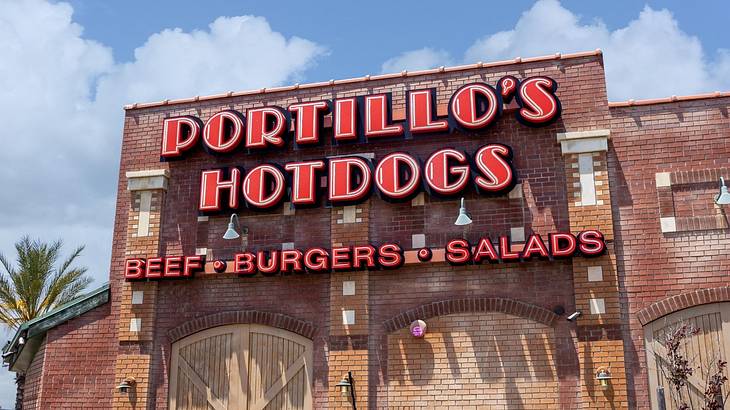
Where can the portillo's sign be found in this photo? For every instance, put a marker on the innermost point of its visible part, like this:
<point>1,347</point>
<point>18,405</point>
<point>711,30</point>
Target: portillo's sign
<point>351,178</point>
<point>397,176</point>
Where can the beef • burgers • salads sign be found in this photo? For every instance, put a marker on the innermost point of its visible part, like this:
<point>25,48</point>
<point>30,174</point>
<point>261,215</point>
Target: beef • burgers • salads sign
<point>397,176</point>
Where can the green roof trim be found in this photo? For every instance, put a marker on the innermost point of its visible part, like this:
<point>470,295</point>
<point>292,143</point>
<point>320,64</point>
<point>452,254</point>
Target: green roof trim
<point>36,328</point>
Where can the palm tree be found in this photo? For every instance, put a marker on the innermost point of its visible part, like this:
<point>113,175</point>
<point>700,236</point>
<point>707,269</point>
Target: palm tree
<point>37,285</point>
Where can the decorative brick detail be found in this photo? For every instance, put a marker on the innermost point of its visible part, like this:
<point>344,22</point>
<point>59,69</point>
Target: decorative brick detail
<point>582,216</point>
<point>144,311</point>
<point>606,289</point>
<point>357,302</point>
<point>258,317</point>
<point>452,306</point>
<point>683,301</point>
<point>686,200</point>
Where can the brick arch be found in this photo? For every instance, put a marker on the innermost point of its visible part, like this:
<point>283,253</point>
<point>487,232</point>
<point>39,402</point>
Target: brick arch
<point>258,317</point>
<point>482,304</point>
<point>683,301</point>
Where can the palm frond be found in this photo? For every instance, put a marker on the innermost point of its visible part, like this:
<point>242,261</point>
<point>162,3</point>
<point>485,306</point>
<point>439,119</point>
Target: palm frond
<point>37,284</point>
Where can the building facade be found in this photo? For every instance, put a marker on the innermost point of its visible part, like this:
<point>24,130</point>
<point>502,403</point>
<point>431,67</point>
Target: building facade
<point>352,271</point>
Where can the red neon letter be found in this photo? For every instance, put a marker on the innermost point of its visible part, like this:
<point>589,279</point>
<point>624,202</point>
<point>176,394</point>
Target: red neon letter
<point>134,269</point>
<point>485,250</point>
<point>422,112</point>
<point>559,251</point>
<point>223,131</point>
<point>438,171</point>
<point>308,121</point>
<point>304,181</point>
<point>263,186</point>
<point>390,256</point>
<point>377,116</point>
<point>211,185</point>
<point>179,134</point>
<point>345,119</point>
<point>343,183</point>
<point>493,162</point>
<point>192,265</point>
<point>535,246</point>
<point>397,175</point>
<point>466,103</point>
<point>265,126</point>
<point>172,267</point>
<point>458,251</point>
<point>590,243</point>
<point>316,260</point>
<point>245,263</point>
<point>539,105</point>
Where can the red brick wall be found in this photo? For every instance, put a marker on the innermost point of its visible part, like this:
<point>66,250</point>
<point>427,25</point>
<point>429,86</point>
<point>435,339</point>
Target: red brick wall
<point>78,368</point>
<point>678,137</point>
<point>34,380</point>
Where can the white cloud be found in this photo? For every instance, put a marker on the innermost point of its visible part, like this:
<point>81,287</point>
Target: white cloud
<point>417,60</point>
<point>649,57</point>
<point>235,53</point>
<point>61,96</point>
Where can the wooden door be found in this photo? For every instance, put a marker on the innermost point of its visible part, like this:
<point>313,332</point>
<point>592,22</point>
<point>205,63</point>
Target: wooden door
<point>710,344</point>
<point>241,367</point>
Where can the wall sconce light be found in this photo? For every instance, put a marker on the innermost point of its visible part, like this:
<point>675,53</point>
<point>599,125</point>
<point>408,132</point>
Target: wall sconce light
<point>126,385</point>
<point>347,388</point>
<point>231,232</point>
<point>604,378</point>
<point>463,218</point>
<point>418,328</point>
<point>723,198</point>
<point>573,316</point>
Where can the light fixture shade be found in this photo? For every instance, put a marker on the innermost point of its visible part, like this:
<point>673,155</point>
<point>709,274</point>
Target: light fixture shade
<point>344,385</point>
<point>231,232</point>
<point>463,218</point>
<point>723,198</point>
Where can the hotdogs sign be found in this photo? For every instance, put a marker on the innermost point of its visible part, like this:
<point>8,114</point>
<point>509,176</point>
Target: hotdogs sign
<point>397,176</point>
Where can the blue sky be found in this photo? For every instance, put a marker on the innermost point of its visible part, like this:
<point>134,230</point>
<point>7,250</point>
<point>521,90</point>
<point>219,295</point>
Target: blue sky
<point>77,63</point>
<point>361,38</point>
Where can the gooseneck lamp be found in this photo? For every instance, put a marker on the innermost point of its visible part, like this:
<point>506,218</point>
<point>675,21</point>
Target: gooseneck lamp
<point>346,388</point>
<point>231,232</point>
<point>463,218</point>
<point>723,198</point>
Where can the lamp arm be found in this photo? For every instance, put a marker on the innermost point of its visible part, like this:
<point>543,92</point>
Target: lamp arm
<point>352,390</point>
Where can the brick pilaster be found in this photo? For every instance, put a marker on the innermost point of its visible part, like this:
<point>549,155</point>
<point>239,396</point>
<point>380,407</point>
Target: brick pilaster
<point>349,316</point>
<point>137,308</point>
<point>595,280</point>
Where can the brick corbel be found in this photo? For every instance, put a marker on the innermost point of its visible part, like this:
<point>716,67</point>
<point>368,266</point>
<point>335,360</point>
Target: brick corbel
<point>146,180</point>
<point>578,142</point>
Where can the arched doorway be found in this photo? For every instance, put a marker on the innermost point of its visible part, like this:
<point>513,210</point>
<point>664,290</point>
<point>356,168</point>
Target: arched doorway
<point>702,349</point>
<point>242,366</point>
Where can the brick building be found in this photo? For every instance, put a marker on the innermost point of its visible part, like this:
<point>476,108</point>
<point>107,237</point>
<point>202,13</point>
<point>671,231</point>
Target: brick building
<point>642,173</point>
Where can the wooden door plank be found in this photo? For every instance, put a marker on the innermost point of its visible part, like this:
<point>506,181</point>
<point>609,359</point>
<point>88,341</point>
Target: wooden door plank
<point>276,387</point>
<point>200,384</point>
